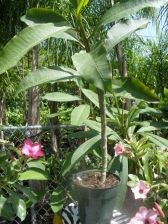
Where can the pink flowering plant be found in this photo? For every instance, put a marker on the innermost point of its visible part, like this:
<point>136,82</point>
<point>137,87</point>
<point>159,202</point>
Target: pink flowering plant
<point>18,165</point>
<point>33,150</point>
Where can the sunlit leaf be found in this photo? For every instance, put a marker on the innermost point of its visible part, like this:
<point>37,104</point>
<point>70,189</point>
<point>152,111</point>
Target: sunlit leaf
<point>33,174</point>
<point>44,75</point>
<point>120,31</point>
<point>60,97</point>
<point>94,68</point>
<point>80,114</point>
<point>121,10</point>
<point>57,199</point>
<point>134,89</point>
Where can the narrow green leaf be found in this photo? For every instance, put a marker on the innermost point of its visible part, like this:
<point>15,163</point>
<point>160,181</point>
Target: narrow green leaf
<point>83,149</point>
<point>121,10</point>
<point>120,31</point>
<point>159,141</point>
<point>18,205</point>
<point>57,199</point>
<point>81,5</point>
<point>97,127</point>
<point>29,37</point>
<point>60,97</point>
<point>134,89</point>
<point>33,174</point>
<point>80,114</point>
<point>94,68</point>
<point>154,126</point>
<point>45,75</point>
<point>83,134</point>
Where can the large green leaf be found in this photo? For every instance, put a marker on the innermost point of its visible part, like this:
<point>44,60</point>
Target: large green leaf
<point>60,97</point>
<point>45,75</point>
<point>83,149</point>
<point>29,37</point>
<point>18,205</point>
<point>134,89</point>
<point>80,114</point>
<point>94,68</point>
<point>121,10</point>
<point>57,199</point>
<point>33,174</point>
<point>43,15</point>
<point>6,209</point>
<point>120,31</point>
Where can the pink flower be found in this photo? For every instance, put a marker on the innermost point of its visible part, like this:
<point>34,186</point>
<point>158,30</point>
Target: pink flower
<point>119,149</point>
<point>144,216</point>
<point>140,190</point>
<point>32,150</point>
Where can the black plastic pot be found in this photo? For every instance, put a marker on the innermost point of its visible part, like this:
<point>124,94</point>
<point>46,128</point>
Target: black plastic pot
<point>95,205</point>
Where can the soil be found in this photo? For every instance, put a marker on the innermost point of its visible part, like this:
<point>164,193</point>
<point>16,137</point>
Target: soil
<point>93,180</point>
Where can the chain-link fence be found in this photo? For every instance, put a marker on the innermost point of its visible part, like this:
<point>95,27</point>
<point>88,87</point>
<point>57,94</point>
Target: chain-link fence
<point>41,213</point>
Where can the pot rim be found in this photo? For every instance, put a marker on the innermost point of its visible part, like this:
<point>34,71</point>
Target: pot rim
<point>75,175</point>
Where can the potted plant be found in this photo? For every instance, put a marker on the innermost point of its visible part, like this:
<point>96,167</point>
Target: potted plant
<point>93,72</point>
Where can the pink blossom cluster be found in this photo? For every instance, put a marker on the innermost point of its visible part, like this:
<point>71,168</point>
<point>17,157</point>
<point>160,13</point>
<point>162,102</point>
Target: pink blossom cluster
<point>33,150</point>
<point>145,216</point>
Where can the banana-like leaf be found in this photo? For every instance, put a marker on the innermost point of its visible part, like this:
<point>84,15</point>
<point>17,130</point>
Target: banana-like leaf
<point>36,16</point>
<point>120,31</point>
<point>60,97</point>
<point>43,15</point>
<point>80,114</point>
<point>121,10</point>
<point>20,44</point>
<point>134,89</point>
<point>94,68</point>
<point>45,75</point>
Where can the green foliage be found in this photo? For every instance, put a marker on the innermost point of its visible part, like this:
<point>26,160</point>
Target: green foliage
<point>15,198</point>
<point>80,114</point>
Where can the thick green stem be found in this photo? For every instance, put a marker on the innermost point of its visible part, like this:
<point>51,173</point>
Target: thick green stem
<point>102,105</point>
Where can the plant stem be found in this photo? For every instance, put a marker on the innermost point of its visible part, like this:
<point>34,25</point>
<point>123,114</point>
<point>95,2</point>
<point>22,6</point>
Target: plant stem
<point>102,105</point>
